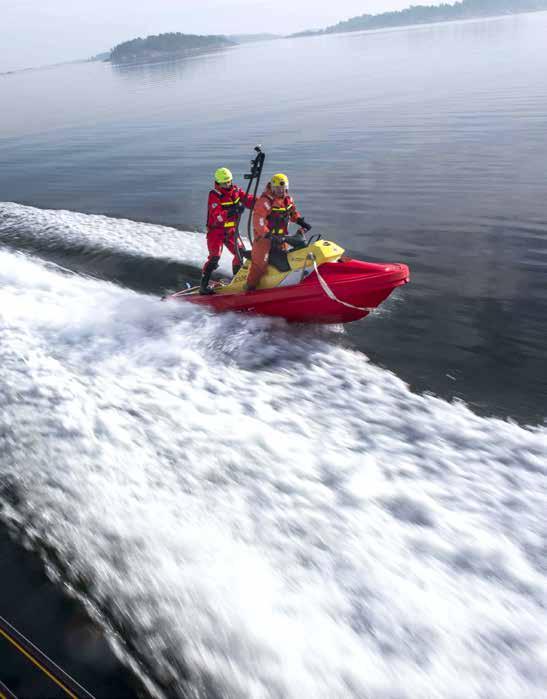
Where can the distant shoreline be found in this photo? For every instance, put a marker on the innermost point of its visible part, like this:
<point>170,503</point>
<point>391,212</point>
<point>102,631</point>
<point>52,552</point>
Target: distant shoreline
<point>158,47</point>
<point>48,66</point>
<point>420,25</point>
<point>160,57</point>
<point>105,56</point>
<point>423,15</point>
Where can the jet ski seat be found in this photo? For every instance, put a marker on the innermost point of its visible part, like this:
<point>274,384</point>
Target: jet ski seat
<point>278,257</point>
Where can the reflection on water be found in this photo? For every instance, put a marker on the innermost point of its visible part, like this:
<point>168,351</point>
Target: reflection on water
<point>424,145</point>
<point>162,70</point>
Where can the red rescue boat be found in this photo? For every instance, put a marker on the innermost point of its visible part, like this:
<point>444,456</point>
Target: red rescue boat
<point>319,285</point>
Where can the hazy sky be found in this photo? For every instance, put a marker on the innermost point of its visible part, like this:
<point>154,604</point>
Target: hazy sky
<point>37,32</point>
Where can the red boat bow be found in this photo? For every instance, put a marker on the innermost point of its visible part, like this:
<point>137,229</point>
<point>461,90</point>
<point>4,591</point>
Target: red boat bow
<point>355,288</point>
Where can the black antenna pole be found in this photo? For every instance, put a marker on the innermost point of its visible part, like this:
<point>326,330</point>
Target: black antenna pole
<point>256,172</point>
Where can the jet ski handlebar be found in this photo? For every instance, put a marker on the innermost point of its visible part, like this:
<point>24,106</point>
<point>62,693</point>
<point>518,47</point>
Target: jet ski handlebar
<point>296,241</point>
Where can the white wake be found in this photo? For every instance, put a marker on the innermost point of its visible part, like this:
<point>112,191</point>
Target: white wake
<point>119,235</point>
<point>272,512</point>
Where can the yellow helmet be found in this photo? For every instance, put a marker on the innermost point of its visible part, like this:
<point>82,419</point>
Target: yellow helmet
<point>223,175</point>
<point>280,181</point>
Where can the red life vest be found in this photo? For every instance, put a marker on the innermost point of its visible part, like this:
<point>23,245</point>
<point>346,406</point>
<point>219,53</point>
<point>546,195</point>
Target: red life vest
<point>223,208</point>
<point>278,218</point>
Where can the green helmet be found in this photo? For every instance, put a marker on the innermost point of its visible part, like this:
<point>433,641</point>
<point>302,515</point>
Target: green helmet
<point>223,175</point>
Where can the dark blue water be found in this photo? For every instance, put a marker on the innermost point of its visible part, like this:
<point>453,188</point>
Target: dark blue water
<point>425,146</point>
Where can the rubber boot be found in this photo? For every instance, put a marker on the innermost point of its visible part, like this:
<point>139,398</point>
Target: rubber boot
<point>237,264</point>
<point>204,287</point>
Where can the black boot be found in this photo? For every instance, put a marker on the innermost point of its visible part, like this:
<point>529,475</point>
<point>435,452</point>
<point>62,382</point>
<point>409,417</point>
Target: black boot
<point>237,264</point>
<point>204,288</point>
<point>209,268</point>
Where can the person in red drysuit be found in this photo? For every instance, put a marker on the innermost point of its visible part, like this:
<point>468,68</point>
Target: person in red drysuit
<point>273,211</point>
<point>224,206</point>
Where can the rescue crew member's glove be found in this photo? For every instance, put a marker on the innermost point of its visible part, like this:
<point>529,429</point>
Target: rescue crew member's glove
<point>300,221</point>
<point>236,212</point>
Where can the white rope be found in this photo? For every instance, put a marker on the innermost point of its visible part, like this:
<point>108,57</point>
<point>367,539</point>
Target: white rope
<point>330,293</point>
<point>37,656</point>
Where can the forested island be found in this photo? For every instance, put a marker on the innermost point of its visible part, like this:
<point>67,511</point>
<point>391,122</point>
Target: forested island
<point>166,46</point>
<point>426,14</point>
<point>176,45</point>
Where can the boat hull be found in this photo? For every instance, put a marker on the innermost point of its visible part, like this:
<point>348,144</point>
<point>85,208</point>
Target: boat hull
<point>361,285</point>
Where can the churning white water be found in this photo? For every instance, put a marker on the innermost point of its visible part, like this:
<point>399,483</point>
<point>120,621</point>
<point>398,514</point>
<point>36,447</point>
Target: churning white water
<point>270,515</point>
<point>45,227</point>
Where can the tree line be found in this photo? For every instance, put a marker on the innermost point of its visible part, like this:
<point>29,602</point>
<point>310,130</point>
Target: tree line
<point>170,43</point>
<point>422,14</point>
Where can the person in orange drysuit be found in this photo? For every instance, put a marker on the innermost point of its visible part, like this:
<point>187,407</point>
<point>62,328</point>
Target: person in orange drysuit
<point>273,211</point>
<point>224,206</point>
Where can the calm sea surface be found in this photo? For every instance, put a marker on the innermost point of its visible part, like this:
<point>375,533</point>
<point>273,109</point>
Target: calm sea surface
<point>426,146</point>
